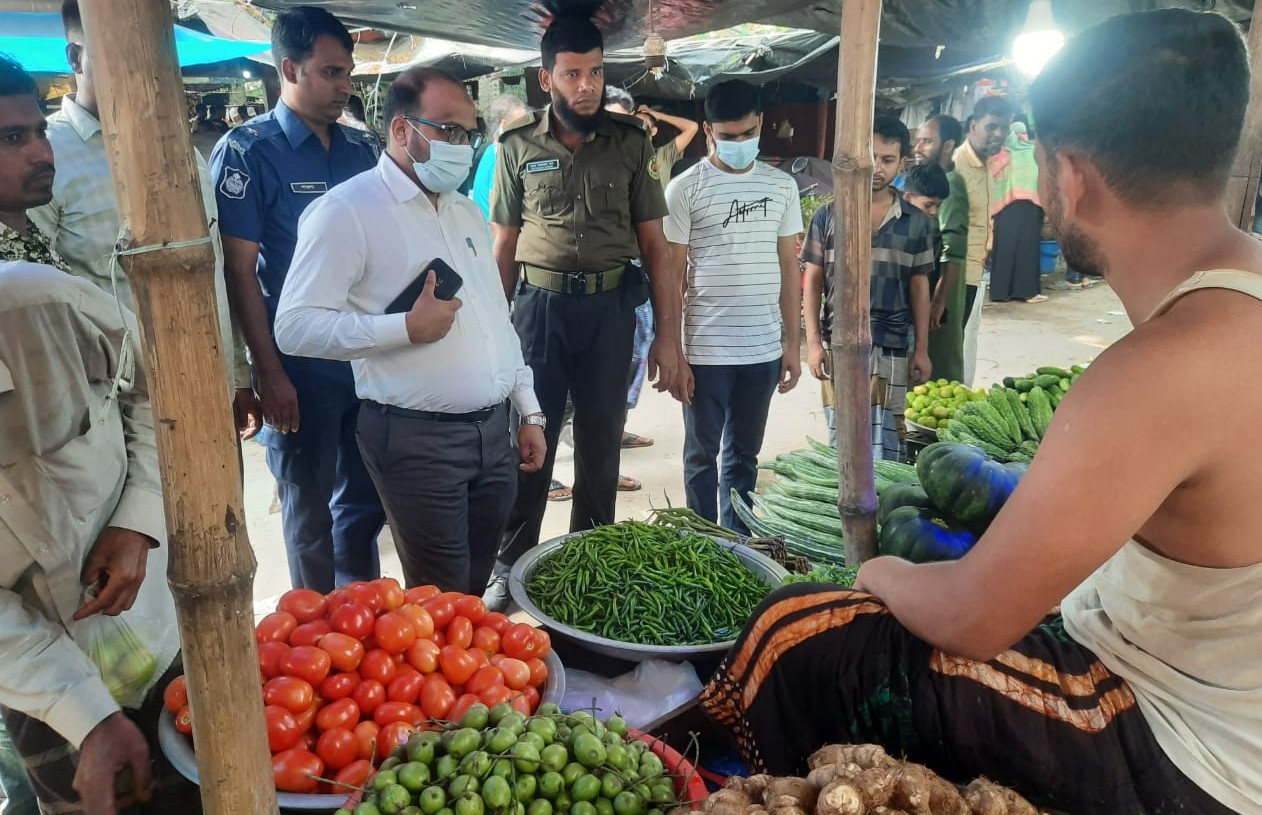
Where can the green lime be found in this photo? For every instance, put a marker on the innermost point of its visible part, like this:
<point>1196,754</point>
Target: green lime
<point>553,758</point>
<point>589,751</point>
<point>550,784</point>
<point>539,806</point>
<point>469,803</point>
<point>462,784</point>
<point>497,793</point>
<point>628,803</point>
<point>414,775</point>
<point>385,778</point>
<point>545,729</point>
<point>476,717</point>
<point>585,788</point>
<point>432,800</point>
<point>526,788</point>
<point>610,785</point>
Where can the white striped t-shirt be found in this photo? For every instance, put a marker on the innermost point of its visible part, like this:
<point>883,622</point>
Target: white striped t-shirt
<point>731,223</point>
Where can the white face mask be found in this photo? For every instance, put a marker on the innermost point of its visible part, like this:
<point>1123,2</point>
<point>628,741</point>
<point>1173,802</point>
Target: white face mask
<point>737,154</point>
<point>448,164</point>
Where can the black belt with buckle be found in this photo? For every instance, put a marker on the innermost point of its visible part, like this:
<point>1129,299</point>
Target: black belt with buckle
<point>573,282</point>
<point>472,417</point>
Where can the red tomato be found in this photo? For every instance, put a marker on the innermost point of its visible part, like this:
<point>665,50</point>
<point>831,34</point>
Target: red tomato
<point>538,671</point>
<point>297,770</point>
<point>420,619</point>
<point>544,643</point>
<point>270,655</point>
<point>282,728</point>
<point>532,696</point>
<point>307,663</point>
<point>521,704</point>
<point>479,657</point>
<point>486,640</point>
<point>405,688</point>
<point>516,673</point>
<point>366,739</point>
<point>405,668</point>
<point>423,656</point>
<point>175,695</point>
<point>368,595</point>
<point>344,713</point>
<point>462,705</point>
<point>184,721</point>
<point>391,592</point>
<point>345,652</point>
<point>519,642</point>
<point>498,622</point>
<point>368,695</point>
<point>388,712</point>
<point>310,633</point>
<point>442,609</point>
<point>471,608</point>
<point>353,619</point>
<point>306,719</point>
<point>437,697</point>
<point>394,632</point>
<point>275,627</point>
<point>291,693</point>
<point>355,774</point>
<point>456,664</point>
<point>460,632</point>
<point>335,600</point>
<point>339,686</point>
<point>439,639</point>
<point>483,679</point>
<point>391,736</point>
<point>495,694</point>
<point>337,748</point>
<point>496,659</point>
<point>420,594</point>
<point>378,665</point>
<point>306,605</point>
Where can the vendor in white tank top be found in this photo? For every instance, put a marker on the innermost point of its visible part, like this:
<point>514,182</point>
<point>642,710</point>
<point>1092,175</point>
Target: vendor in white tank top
<point>1140,511</point>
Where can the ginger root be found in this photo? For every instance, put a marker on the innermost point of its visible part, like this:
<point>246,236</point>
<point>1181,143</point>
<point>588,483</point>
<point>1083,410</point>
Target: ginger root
<point>754,786</point>
<point>985,797</point>
<point>866,756</point>
<point>782,793</point>
<point>841,798</point>
<point>727,802</point>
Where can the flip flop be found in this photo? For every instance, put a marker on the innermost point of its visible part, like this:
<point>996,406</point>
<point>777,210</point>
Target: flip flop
<point>631,440</point>
<point>558,492</point>
<point>628,484</point>
<point>1038,298</point>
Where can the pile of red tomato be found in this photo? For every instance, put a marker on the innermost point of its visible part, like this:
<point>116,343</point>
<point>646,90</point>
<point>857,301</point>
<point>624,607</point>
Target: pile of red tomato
<point>348,676</point>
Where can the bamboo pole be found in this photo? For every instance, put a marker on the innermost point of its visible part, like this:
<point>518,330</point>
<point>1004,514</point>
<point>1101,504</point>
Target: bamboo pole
<point>211,564</point>
<point>1242,189</point>
<point>852,331</point>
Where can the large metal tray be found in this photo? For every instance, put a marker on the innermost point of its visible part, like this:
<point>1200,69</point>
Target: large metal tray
<point>764,567</point>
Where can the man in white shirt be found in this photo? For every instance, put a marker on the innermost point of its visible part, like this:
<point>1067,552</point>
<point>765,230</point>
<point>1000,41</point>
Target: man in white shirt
<point>733,228</point>
<point>436,380</point>
<point>82,219</point>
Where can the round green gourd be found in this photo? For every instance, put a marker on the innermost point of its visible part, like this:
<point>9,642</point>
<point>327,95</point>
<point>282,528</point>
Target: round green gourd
<point>914,534</point>
<point>901,495</point>
<point>964,483</point>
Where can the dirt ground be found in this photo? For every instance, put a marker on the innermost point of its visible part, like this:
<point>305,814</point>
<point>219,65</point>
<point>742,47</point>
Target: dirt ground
<point>1072,327</point>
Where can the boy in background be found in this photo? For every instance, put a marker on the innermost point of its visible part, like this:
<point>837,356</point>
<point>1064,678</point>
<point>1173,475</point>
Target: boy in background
<point>902,260</point>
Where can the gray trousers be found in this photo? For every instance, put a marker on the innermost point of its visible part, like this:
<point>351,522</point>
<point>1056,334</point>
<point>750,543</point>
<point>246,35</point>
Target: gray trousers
<point>447,488</point>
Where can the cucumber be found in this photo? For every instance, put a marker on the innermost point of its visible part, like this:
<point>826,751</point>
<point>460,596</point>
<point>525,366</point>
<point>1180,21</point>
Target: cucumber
<point>798,539</point>
<point>1065,383</point>
<point>1046,381</point>
<point>773,506</point>
<point>1077,370</point>
<point>1023,385</point>
<point>801,506</point>
<point>1040,411</point>
<point>894,471</point>
<point>1048,370</point>
<point>809,492</point>
<point>1022,413</point>
<point>1009,382</point>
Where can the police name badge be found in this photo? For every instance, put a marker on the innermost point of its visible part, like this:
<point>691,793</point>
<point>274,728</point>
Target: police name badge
<point>234,182</point>
<point>308,187</point>
<point>543,165</point>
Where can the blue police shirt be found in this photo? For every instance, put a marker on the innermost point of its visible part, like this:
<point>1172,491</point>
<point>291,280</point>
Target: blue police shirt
<point>266,172</point>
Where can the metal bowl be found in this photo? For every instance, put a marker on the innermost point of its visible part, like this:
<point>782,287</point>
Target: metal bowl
<point>762,566</point>
<point>179,750</point>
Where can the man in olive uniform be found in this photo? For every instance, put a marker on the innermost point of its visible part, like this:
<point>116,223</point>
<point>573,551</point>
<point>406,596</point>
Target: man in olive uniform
<point>578,196</point>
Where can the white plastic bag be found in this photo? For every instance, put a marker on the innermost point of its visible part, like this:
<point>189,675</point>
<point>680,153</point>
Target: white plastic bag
<point>642,696</point>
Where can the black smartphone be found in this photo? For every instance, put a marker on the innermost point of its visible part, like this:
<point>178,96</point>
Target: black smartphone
<point>445,287</point>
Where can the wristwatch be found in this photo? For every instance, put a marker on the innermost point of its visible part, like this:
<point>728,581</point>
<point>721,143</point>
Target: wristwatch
<point>536,419</point>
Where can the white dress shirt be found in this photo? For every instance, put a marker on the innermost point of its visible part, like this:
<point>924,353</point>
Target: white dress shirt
<point>73,461</point>
<point>359,247</point>
<point>82,219</point>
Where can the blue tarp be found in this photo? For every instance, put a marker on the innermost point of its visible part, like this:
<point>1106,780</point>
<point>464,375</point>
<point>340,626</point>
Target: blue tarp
<point>36,40</point>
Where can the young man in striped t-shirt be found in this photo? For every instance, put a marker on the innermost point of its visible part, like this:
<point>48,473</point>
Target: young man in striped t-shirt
<point>733,226</point>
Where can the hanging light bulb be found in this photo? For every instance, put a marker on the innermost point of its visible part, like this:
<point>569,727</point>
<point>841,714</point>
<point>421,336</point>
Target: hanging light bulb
<point>654,48</point>
<point>1039,39</point>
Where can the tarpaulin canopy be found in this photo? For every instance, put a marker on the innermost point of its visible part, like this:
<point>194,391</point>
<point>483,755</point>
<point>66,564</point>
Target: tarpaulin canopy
<point>38,43</point>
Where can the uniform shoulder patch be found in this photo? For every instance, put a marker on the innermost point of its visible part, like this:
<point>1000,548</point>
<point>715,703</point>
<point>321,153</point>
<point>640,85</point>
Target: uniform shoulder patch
<point>233,182</point>
<point>655,169</point>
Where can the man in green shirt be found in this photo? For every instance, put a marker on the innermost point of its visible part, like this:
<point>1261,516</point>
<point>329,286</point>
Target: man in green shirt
<point>936,141</point>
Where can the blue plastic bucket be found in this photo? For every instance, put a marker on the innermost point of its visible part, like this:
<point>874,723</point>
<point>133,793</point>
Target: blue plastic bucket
<point>1049,251</point>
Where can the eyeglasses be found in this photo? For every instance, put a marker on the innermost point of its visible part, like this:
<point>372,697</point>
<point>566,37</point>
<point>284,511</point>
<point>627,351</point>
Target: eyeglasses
<point>453,134</point>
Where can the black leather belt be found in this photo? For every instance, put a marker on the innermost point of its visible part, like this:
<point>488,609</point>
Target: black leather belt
<point>573,282</point>
<point>472,417</point>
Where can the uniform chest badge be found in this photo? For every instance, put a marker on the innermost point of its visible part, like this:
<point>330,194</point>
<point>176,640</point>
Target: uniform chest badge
<point>234,183</point>
<point>655,172</point>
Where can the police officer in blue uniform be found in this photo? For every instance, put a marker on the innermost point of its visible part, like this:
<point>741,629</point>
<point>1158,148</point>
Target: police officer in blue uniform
<point>266,173</point>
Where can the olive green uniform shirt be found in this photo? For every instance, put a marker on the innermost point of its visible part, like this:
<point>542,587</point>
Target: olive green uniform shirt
<point>577,210</point>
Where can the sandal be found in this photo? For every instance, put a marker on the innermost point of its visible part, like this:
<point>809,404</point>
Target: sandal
<point>559,492</point>
<point>1038,298</point>
<point>631,440</point>
<point>628,484</point>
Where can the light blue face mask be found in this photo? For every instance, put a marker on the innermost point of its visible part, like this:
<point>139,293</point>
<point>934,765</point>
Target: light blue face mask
<point>448,164</point>
<point>737,154</point>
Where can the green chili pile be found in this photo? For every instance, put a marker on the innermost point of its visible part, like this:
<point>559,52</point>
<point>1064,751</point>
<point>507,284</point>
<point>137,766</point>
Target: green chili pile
<point>647,585</point>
